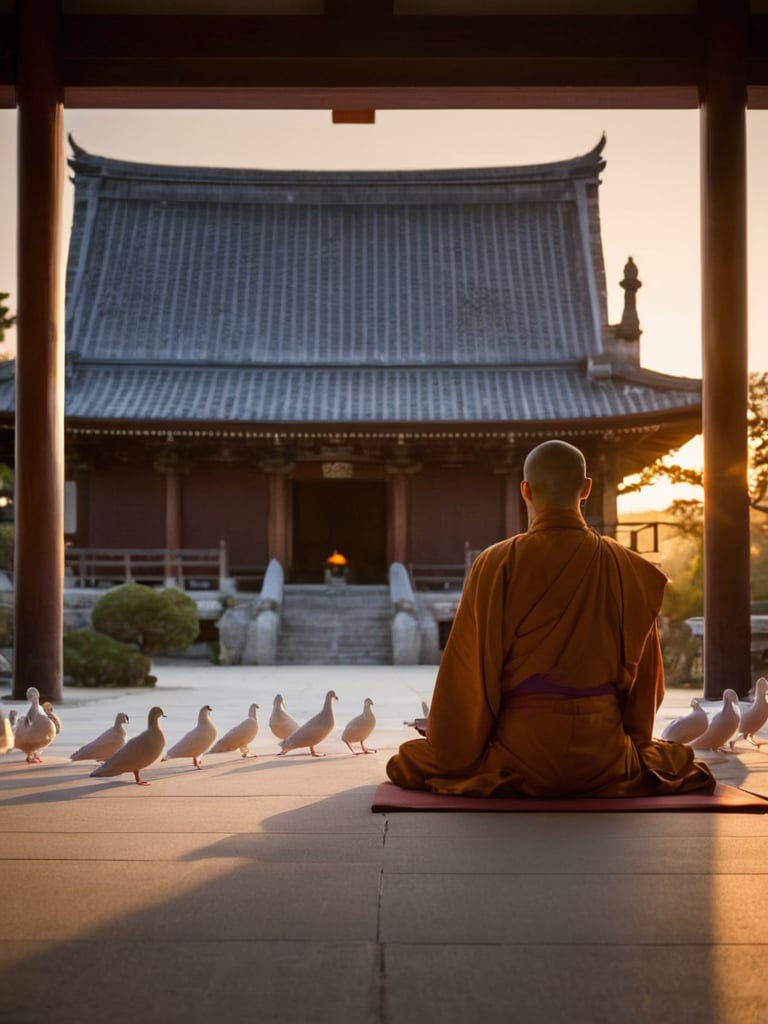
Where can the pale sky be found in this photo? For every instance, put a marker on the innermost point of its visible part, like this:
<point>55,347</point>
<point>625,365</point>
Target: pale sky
<point>649,197</point>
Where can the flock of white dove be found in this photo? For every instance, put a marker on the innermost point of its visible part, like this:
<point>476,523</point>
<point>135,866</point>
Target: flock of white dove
<point>722,730</point>
<point>34,731</point>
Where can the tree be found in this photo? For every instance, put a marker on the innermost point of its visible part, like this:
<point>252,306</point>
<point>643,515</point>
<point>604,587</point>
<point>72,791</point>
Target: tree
<point>757,470</point>
<point>6,320</point>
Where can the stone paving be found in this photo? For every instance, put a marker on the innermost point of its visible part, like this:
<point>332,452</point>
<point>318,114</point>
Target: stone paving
<point>266,890</point>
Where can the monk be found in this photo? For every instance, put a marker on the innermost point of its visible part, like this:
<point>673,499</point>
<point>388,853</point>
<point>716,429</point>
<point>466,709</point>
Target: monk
<point>552,674</point>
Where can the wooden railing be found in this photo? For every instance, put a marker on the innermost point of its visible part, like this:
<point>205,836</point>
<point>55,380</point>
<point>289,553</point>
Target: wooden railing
<point>185,567</point>
<point>442,576</point>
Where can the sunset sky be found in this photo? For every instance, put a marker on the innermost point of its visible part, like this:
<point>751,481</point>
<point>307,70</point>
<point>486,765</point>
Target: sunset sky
<point>649,198</point>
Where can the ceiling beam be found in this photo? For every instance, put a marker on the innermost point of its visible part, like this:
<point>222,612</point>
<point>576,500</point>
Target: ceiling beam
<point>380,61</point>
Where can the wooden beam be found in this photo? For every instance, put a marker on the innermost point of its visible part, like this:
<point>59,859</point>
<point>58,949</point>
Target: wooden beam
<point>347,60</point>
<point>377,61</point>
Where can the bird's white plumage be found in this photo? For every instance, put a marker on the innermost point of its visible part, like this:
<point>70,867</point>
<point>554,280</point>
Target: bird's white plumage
<point>199,739</point>
<point>239,736</point>
<point>48,709</point>
<point>688,727</point>
<point>280,722</point>
<point>314,730</point>
<point>359,728</point>
<point>756,715</point>
<point>723,726</point>
<point>139,752</point>
<point>33,731</point>
<point>106,743</point>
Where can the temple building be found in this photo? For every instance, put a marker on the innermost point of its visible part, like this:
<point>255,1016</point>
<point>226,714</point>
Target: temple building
<point>296,363</point>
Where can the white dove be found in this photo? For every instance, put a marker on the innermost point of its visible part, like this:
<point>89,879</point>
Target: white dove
<point>6,733</point>
<point>688,727</point>
<point>314,730</point>
<point>358,729</point>
<point>756,715</point>
<point>33,731</point>
<point>280,722</point>
<point>106,744</point>
<point>139,752</point>
<point>195,743</point>
<point>48,709</point>
<point>722,727</point>
<point>239,736</point>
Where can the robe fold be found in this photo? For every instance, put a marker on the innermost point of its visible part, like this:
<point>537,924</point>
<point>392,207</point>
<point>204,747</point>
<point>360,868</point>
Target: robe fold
<point>551,676</point>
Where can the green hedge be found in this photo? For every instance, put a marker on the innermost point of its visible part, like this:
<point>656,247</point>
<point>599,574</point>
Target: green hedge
<point>93,659</point>
<point>154,620</point>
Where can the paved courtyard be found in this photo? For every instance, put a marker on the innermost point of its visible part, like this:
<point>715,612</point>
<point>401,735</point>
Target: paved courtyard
<point>266,890</point>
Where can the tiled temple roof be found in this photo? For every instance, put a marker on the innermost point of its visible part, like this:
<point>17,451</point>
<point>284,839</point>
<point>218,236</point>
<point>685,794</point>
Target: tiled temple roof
<point>200,294</point>
<point>365,395</point>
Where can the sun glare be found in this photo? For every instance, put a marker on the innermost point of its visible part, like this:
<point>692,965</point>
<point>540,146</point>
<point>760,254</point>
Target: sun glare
<point>660,495</point>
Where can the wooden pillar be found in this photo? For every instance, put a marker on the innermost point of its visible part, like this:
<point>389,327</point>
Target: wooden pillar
<point>515,517</point>
<point>277,517</point>
<point>609,487</point>
<point>39,492</point>
<point>724,337</point>
<point>172,527</point>
<point>398,538</point>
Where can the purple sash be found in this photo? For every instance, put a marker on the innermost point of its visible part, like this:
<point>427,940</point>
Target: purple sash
<point>542,684</point>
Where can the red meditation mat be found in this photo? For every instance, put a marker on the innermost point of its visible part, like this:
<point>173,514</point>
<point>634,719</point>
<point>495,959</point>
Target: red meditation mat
<point>389,797</point>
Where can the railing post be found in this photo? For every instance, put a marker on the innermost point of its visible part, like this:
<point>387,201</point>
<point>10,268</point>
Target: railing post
<point>168,570</point>
<point>223,567</point>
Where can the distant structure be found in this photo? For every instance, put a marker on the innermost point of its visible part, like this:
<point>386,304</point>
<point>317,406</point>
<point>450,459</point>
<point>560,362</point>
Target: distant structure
<point>295,362</point>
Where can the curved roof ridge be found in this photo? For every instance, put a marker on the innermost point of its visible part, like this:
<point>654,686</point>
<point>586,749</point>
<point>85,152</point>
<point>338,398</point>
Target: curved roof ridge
<point>588,164</point>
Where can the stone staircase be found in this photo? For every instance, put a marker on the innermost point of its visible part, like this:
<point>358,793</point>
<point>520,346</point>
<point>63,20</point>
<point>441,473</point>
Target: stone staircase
<point>335,624</point>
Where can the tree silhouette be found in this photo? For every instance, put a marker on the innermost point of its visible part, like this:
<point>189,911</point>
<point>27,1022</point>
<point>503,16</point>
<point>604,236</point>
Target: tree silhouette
<point>666,468</point>
<point>6,320</point>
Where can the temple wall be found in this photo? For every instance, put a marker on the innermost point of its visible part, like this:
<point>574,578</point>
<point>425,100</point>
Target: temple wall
<point>229,503</point>
<point>448,508</point>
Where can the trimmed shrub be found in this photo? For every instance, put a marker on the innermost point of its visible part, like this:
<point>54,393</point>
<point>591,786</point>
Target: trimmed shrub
<point>154,620</point>
<point>6,546</point>
<point>93,659</point>
<point>6,626</point>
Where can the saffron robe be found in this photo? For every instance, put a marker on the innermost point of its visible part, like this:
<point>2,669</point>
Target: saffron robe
<point>552,675</point>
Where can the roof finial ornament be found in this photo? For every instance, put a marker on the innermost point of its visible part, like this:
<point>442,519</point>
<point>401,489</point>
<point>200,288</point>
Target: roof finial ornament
<point>630,324</point>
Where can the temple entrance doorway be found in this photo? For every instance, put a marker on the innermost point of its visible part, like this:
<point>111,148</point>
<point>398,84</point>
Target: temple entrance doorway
<point>349,516</point>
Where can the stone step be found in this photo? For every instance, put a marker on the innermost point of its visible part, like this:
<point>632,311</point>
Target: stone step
<point>335,624</point>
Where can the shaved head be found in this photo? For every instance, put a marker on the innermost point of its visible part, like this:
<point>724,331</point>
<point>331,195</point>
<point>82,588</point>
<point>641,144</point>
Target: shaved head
<point>556,473</point>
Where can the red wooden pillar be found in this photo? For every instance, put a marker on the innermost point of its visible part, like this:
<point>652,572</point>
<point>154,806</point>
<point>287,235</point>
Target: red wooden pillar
<point>39,493</point>
<point>172,526</point>
<point>609,488</point>
<point>727,625</point>
<point>515,518</point>
<point>277,517</point>
<point>398,539</point>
